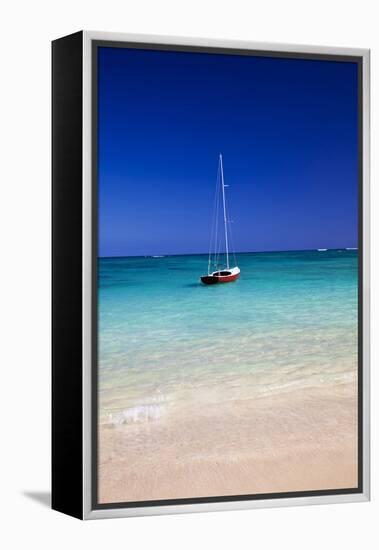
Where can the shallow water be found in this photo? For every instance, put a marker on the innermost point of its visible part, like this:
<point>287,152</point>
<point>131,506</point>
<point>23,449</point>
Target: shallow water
<point>166,340</point>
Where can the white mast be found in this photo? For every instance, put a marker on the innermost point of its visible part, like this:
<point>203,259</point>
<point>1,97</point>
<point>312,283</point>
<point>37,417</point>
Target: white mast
<point>225,220</point>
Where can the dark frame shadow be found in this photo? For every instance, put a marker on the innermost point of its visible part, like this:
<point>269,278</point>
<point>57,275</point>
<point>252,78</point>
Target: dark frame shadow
<point>41,497</point>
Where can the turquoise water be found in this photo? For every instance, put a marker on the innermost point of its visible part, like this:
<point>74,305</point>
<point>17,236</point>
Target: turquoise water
<point>290,321</point>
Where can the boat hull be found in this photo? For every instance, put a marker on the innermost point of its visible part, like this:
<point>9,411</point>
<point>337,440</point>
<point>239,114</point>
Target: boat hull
<point>214,278</point>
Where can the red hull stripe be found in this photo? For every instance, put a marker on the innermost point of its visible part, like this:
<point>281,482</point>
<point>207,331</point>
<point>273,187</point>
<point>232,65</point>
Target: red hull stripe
<point>211,280</point>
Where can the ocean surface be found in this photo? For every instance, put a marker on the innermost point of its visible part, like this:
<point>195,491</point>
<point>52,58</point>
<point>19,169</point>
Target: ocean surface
<point>166,340</point>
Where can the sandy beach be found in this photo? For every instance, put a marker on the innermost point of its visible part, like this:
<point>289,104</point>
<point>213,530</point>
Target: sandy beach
<point>299,440</point>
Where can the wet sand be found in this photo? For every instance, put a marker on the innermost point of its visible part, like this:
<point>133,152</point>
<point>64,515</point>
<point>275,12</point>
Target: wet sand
<point>299,440</point>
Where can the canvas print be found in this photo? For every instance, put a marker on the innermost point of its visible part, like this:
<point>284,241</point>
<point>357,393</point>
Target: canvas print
<point>227,273</point>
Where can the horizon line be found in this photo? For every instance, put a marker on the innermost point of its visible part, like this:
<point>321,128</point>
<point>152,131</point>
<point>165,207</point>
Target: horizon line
<point>223,253</point>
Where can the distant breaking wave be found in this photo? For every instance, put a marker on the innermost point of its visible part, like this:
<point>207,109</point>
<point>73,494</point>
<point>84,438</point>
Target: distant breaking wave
<point>141,413</point>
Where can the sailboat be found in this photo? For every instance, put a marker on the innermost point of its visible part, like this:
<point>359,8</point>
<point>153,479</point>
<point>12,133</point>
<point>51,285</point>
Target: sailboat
<point>222,273</point>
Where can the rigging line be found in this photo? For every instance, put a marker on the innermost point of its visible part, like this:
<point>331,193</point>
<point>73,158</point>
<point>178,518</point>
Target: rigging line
<point>217,209</point>
<point>217,215</point>
<point>214,224</point>
<point>232,243</point>
<point>218,254</point>
<point>225,212</point>
<point>231,237</point>
<point>233,246</point>
<point>229,226</point>
<point>212,233</point>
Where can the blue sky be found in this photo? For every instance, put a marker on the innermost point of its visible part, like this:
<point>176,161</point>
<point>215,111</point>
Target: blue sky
<point>287,129</point>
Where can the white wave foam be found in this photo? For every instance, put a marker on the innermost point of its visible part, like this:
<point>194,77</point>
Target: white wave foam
<point>140,413</point>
